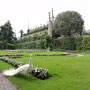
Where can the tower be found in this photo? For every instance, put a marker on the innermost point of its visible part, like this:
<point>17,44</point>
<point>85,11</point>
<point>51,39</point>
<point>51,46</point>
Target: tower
<point>50,24</point>
<point>52,18</point>
<point>28,28</point>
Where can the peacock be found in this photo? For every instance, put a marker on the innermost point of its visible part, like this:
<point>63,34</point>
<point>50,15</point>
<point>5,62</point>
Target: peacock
<point>27,68</point>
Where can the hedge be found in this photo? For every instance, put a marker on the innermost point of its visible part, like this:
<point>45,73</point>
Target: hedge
<point>33,38</point>
<point>74,43</point>
<point>86,43</point>
<point>65,43</point>
<point>32,45</point>
<point>70,43</point>
<point>78,42</point>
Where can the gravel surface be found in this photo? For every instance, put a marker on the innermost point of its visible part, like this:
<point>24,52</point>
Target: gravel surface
<point>6,84</point>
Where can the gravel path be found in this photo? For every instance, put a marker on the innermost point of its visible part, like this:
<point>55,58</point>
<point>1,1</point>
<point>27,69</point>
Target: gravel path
<point>6,84</point>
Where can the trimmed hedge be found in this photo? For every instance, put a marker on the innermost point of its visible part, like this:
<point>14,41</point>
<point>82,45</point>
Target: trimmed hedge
<point>70,43</point>
<point>51,54</point>
<point>33,38</point>
<point>78,42</point>
<point>74,43</point>
<point>39,29</point>
<point>65,43</point>
<point>86,43</point>
<point>32,45</point>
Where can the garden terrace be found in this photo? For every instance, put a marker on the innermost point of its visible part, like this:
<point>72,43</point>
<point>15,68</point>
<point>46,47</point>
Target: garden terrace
<point>37,30</point>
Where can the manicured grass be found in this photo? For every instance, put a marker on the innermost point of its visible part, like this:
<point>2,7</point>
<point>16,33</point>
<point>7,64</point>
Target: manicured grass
<point>68,72</point>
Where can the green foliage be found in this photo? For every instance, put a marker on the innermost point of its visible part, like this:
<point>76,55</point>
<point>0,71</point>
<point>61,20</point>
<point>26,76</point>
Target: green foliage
<point>39,44</point>
<point>65,43</point>
<point>69,43</point>
<point>86,43</point>
<point>11,46</point>
<point>74,43</point>
<point>41,41</point>
<point>33,38</point>
<point>37,30</point>
<point>55,34</point>
<point>6,34</point>
<point>49,42</point>
<point>0,44</point>
<point>78,42</point>
<point>68,23</point>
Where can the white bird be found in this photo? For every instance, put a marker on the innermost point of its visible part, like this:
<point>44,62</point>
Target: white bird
<point>27,68</point>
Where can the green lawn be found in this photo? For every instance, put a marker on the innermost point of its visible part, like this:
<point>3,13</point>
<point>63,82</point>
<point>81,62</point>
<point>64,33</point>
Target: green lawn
<point>68,72</point>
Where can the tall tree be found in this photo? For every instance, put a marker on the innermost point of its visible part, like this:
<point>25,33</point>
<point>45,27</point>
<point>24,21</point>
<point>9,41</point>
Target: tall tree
<point>68,23</point>
<point>6,34</point>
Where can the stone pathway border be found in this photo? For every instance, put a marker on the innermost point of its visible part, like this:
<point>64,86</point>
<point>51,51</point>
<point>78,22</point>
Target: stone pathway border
<point>6,84</point>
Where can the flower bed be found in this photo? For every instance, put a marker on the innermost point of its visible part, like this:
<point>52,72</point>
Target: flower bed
<point>40,73</point>
<point>51,54</point>
<point>12,62</point>
<point>37,72</point>
<point>12,55</point>
<point>71,51</point>
<point>27,50</point>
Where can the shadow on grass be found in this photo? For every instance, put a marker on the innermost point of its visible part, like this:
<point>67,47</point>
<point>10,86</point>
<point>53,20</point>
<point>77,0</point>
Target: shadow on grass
<point>25,77</point>
<point>30,77</point>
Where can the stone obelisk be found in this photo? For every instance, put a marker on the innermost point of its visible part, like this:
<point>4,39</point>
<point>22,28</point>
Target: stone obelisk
<point>50,26</point>
<point>52,18</point>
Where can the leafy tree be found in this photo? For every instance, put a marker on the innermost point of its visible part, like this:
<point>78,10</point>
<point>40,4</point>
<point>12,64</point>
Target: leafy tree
<point>6,34</point>
<point>68,23</point>
<point>49,42</point>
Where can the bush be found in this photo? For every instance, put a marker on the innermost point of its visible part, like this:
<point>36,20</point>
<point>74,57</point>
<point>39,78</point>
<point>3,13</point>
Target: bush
<point>86,43</point>
<point>74,43</point>
<point>0,44</point>
<point>65,43</point>
<point>78,41</point>
<point>49,42</point>
<point>11,46</point>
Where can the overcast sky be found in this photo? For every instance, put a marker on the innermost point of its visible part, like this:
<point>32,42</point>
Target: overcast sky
<point>19,12</point>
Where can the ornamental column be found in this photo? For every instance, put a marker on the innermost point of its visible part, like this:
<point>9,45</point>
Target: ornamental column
<point>50,26</point>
